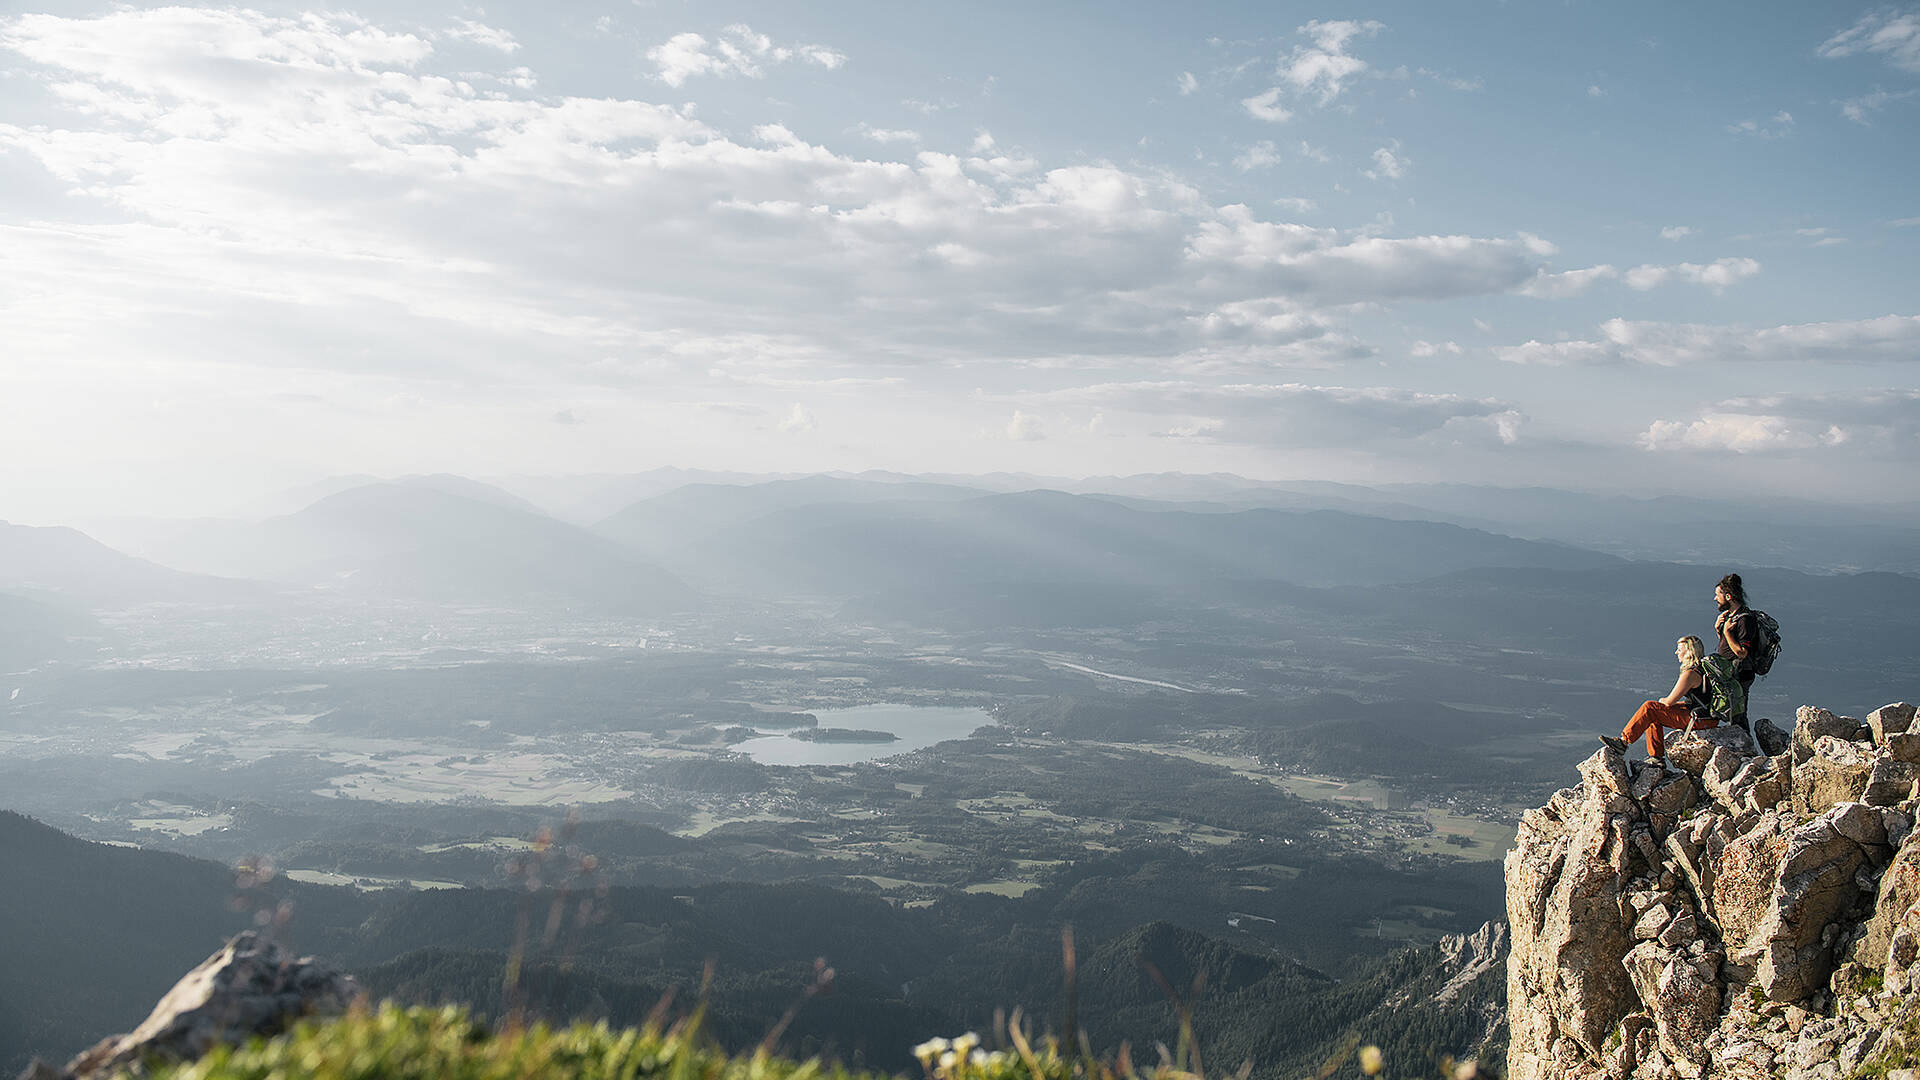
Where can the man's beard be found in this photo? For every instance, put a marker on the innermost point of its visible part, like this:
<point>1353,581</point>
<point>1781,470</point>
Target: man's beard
<point>1726,604</point>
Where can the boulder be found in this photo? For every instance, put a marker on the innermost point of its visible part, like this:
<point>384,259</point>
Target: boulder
<point>1834,770</point>
<point>1899,892</point>
<point>1772,741</point>
<point>1779,887</point>
<point>1692,752</point>
<point>1888,720</point>
<point>1811,723</point>
<point>250,988</point>
<point>1890,782</point>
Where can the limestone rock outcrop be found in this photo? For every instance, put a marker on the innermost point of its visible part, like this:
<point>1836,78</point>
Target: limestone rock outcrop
<point>251,987</point>
<point>1732,913</point>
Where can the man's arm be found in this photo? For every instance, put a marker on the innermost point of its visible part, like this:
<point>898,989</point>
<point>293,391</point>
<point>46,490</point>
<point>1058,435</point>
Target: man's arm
<point>1732,631</point>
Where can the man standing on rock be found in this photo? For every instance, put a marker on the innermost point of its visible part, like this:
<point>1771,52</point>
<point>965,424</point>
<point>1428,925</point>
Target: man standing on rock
<point>1739,634</point>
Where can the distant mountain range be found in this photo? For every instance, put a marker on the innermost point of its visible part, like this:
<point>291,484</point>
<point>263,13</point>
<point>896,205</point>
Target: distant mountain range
<point>423,542</point>
<point>69,564</point>
<point>877,535</point>
<point>853,548</point>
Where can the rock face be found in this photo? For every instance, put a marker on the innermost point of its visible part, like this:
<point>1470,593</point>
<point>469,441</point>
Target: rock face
<point>1733,914</point>
<point>251,987</point>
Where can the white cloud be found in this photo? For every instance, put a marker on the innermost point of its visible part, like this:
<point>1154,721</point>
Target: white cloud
<point>738,50</point>
<point>1860,110</point>
<point>1894,36</point>
<point>1887,338</point>
<point>886,135</point>
<point>1875,422</point>
<point>1676,232</point>
<point>1187,83</point>
<point>1314,153</point>
<point>1266,106</point>
<point>323,202</point>
<point>1387,165</point>
<point>799,420</point>
<point>1778,126</point>
<point>1280,259</point>
<point>1596,92</point>
<point>1295,203</point>
<point>1260,155</point>
<point>1551,285</point>
<point>484,35</point>
<point>1025,427</point>
<point>1425,349</point>
<point>1325,67</point>
<point>1716,275</point>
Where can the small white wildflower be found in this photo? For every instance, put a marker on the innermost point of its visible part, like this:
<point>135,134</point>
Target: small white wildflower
<point>949,1059</point>
<point>964,1044</point>
<point>926,1050</point>
<point>978,1057</point>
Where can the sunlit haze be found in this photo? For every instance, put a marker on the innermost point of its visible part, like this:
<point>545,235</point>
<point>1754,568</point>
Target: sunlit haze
<point>1630,248</point>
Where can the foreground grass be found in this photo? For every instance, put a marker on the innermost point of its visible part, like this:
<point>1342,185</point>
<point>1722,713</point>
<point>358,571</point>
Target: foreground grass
<point>394,1043</point>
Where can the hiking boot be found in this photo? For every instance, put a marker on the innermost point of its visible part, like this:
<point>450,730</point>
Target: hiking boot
<point>1615,742</point>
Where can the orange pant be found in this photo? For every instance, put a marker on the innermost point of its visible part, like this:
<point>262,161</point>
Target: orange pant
<point>1652,717</point>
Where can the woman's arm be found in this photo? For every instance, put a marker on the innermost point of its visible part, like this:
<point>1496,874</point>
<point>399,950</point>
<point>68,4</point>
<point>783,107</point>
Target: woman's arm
<point>1689,679</point>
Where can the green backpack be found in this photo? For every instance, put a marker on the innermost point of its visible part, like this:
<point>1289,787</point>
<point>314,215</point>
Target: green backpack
<point>1726,698</point>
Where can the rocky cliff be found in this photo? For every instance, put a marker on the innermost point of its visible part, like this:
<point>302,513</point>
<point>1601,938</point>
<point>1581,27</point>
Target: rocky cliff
<point>1745,911</point>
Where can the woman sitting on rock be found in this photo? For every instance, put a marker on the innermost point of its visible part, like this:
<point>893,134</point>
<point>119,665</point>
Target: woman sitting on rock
<point>1692,700</point>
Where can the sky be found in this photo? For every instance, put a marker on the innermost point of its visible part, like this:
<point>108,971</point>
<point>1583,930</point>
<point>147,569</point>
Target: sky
<point>1625,247</point>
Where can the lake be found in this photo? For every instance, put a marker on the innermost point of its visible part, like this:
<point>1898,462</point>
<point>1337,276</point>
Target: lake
<point>918,727</point>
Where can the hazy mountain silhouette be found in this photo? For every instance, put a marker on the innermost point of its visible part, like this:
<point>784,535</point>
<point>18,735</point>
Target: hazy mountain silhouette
<point>690,514</point>
<point>1051,537</point>
<point>415,541</point>
<point>584,500</point>
<point>71,564</point>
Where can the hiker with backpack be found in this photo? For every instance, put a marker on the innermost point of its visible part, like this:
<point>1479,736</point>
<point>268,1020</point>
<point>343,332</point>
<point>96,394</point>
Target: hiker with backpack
<point>1749,638</point>
<point>1706,693</point>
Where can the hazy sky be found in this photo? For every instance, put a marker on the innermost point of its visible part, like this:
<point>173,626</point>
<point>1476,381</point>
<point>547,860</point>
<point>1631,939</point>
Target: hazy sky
<point>1640,247</point>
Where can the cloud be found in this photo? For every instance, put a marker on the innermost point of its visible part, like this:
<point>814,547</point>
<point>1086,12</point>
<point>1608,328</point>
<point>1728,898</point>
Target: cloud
<point>309,202</point>
<point>1894,36</point>
<point>484,35</point>
<point>1260,155</point>
<point>1266,106</point>
<point>1873,423</point>
<point>1186,83</point>
<point>1860,110</point>
<point>1425,349</point>
<point>1550,285</point>
<point>1716,275</point>
<point>1293,415</point>
<point>737,51</point>
<point>1325,67</point>
<point>799,419</point>
<point>1676,232</point>
<point>566,418</point>
<point>1323,265</point>
<point>1025,427</point>
<point>1894,338</point>
<point>1387,165</point>
<point>1778,126</point>
<point>887,135</point>
<point>1596,92</point>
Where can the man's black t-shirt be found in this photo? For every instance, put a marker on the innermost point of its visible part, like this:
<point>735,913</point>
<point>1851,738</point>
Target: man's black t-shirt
<point>1743,628</point>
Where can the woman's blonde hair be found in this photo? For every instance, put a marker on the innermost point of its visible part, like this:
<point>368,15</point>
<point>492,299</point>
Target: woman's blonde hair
<point>1691,650</point>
